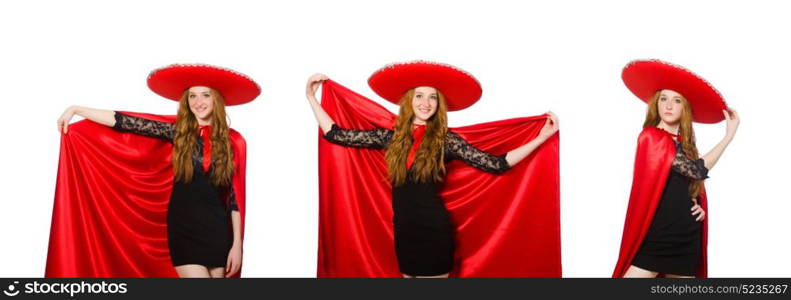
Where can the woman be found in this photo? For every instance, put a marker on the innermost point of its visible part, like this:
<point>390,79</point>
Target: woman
<point>665,231</point>
<point>202,204</point>
<point>416,154</point>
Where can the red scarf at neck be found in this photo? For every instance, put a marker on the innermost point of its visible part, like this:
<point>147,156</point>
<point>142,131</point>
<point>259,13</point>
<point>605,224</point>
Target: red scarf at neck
<point>417,138</point>
<point>678,136</point>
<point>205,134</point>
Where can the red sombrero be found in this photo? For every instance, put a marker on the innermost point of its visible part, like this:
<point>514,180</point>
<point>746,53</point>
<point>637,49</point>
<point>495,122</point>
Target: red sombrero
<point>645,77</point>
<point>171,81</point>
<point>459,87</point>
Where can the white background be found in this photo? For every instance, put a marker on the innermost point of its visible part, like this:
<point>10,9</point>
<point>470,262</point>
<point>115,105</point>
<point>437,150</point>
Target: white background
<point>530,57</point>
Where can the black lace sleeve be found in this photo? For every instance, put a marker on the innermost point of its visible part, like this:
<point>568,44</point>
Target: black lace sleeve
<point>457,148</point>
<point>162,130</point>
<point>232,202</point>
<point>378,138</point>
<point>693,169</point>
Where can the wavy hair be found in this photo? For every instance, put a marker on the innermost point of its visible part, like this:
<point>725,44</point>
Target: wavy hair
<point>186,134</point>
<point>685,129</point>
<point>429,160</point>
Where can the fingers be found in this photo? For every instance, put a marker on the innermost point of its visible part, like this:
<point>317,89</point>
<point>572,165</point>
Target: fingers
<point>701,216</point>
<point>730,114</point>
<point>63,126</point>
<point>698,211</point>
<point>734,114</point>
<point>553,117</point>
<point>318,77</point>
<point>228,264</point>
<point>236,268</point>
<point>233,268</point>
<point>553,120</point>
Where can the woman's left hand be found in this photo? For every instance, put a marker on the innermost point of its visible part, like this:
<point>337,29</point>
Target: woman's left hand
<point>697,210</point>
<point>234,261</point>
<point>731,122</point>
<point>551,126</point>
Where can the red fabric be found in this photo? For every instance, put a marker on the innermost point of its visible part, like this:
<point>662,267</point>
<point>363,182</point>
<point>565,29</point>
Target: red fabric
<point>111,199</point>
<point>205,134</point>
<point>654,158</point>
<point>171,82</point>
<point>645,77</point>
<point>459,87</point>
<point>506,225</point>
<point>417,139</point>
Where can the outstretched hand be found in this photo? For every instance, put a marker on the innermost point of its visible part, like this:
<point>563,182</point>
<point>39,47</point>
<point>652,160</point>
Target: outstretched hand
<point>313,84</point>
<point>65,119</point>
<point>731,122</point>
<point>551,126</point>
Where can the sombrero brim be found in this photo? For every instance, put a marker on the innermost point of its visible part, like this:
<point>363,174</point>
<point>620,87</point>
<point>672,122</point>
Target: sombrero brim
<point>171,82</point>
<point>461,89</point>
<point>645,77</point>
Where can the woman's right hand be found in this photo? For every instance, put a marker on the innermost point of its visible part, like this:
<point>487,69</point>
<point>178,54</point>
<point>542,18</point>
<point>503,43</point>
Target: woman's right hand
<point>313,84</point>
<point>65,119</point>
<point>731,122</point>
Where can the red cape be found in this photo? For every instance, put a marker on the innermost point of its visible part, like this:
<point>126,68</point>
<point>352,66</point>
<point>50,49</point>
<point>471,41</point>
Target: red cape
<point>655,153</point>
<point>506,225</point>
<point>111,201</point>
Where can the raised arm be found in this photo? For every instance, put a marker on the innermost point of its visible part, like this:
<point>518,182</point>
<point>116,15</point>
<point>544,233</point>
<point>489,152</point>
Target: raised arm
<point>378,138</point>
<point>550,127</point>
<point>731,124</point>
<point>141,126</point>
<point>101,116</point>
<point>118,121</point>
<point>458,148</point>
<point>325,121</point>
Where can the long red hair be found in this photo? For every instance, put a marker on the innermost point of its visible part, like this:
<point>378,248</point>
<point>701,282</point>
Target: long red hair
<point>685,129</point>
<point>429,162</point>
<point>186,135</point>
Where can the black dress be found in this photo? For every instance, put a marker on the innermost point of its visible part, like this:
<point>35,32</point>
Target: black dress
<point>422,227</point>
<point>199,230</point>
<point>673,242</point>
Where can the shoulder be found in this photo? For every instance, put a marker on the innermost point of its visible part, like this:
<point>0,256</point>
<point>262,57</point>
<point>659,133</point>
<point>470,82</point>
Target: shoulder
<point>655,141</point>
<point>651,135</point>
<point>236,137</point>
<point>452,136</point>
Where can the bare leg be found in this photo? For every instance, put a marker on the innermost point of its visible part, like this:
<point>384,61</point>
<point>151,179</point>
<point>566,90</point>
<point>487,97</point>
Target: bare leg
<point>218,272</point>
<point>407,276</point>
<point>192,271</point>
<point>635,272</point>
<point>678,276</point>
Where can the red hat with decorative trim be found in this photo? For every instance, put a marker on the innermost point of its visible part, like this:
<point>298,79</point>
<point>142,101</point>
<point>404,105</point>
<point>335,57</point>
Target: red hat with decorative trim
<point>645,77</point>
<point>459,87</point>
<point>171,82</point>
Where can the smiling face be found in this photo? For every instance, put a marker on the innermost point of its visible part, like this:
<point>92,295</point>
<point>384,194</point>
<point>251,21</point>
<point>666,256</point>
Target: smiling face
<point>424,103</point>
<point>201,103</point>
<point>670,106</point>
